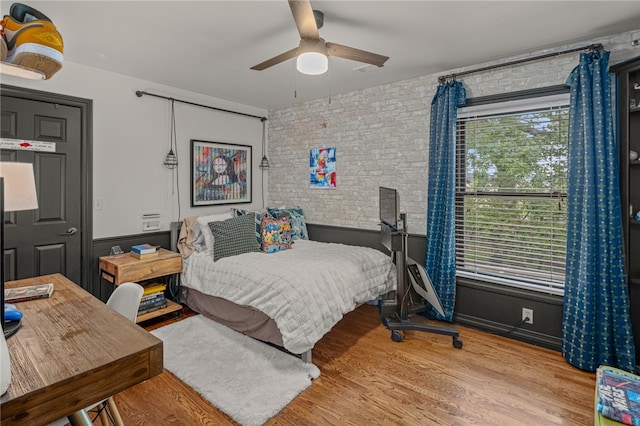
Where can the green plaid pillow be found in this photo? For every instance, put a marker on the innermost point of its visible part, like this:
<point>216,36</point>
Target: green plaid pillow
<point>258,221</point>
<point>234,236</point>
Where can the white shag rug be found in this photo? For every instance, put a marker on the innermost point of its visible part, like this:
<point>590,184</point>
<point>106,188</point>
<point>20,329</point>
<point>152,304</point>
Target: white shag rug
<point>247,379</point>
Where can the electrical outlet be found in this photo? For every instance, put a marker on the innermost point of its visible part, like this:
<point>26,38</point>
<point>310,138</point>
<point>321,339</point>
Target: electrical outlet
<point>527,315</point>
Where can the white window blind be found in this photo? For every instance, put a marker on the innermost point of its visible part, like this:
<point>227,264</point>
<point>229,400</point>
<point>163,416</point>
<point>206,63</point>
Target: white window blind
<point>510,192</point>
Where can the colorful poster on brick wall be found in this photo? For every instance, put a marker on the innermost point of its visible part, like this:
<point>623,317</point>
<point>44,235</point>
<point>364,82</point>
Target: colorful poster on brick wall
<point>323,168</point>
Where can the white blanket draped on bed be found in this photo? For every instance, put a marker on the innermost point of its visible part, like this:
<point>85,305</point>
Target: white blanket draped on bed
<point>306,289</point>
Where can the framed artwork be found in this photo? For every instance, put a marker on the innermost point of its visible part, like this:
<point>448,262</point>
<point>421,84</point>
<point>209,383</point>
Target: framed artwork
<point>323,168</point>
<point>220,173</point>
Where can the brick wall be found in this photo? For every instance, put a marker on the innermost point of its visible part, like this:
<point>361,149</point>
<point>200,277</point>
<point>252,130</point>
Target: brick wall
<point>381,137</point>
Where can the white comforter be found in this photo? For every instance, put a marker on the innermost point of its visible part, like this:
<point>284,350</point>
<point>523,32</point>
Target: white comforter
<point>306,289</point>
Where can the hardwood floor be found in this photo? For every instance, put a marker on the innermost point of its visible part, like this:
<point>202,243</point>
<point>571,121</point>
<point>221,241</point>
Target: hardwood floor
<point>367,379</point>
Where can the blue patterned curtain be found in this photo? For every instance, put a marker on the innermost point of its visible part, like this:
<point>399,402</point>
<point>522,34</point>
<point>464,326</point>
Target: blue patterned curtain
<point>595,321</point>
<point>441,259</point>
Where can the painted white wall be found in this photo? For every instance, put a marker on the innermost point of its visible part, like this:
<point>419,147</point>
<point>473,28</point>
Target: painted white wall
<point>131,138</point>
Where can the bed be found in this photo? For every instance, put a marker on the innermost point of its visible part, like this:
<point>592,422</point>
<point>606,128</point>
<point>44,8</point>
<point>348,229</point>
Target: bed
<point>289,297</point>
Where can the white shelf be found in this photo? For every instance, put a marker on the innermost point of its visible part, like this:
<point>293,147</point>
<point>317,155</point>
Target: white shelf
<point>19,71</point>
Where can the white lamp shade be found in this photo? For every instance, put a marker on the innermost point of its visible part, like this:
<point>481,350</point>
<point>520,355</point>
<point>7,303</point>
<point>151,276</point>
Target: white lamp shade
<point>19,186</point>
<point>312,63</point>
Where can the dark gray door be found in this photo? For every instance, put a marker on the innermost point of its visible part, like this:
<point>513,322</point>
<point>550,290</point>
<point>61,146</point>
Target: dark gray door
<point>46,240</point>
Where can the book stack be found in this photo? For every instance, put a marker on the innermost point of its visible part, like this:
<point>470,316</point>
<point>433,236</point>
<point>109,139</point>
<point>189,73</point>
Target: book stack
<point>144,251</point>
<point>152,298</point>
<point>617,395</point>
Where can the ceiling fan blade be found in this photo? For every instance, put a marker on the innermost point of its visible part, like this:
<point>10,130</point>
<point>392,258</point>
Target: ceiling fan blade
<point>334,49</point>
<point>276,60</point>
<point>305,21</point>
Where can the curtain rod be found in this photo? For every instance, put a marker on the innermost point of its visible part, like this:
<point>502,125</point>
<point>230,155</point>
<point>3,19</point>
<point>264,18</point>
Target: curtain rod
<point>139,94</point>
<point>589,48</point>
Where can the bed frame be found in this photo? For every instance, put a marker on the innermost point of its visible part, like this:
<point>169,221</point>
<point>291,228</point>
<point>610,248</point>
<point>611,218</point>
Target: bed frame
<point>252,322</point>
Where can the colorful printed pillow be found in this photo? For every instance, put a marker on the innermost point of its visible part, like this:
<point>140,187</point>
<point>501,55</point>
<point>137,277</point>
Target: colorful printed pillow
<point>276,234</point>
<point>296,218</point>
<point>234,236</point>
<point>257,223</point>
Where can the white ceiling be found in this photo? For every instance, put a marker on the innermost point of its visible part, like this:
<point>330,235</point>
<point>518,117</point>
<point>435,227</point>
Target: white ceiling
<point>209,46</point>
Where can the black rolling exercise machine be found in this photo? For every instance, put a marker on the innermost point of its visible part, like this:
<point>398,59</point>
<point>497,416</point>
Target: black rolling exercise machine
<point>413,282</point>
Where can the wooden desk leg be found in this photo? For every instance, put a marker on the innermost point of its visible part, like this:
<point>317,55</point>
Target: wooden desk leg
<point>80,418</point>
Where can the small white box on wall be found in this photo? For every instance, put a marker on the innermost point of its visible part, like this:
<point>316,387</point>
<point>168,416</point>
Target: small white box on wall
<point>150,221</point>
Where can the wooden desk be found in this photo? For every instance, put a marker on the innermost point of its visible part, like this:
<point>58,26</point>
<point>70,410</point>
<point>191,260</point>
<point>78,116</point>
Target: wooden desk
<point>71,351</point>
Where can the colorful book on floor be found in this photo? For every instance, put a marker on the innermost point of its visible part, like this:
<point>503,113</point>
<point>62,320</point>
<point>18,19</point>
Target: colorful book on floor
<point>618,395</point>
<point>32,292</point>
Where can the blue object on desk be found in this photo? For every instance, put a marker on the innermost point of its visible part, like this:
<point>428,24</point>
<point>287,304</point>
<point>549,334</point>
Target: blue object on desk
<point>11,313</point>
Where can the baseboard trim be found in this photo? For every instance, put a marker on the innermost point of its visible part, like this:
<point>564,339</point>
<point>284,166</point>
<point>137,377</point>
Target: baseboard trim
<point>506,330</point>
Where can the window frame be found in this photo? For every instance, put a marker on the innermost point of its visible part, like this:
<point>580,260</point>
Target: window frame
<point>509,103</point>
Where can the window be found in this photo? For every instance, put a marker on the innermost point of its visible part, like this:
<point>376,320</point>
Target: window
<point>511,162</point>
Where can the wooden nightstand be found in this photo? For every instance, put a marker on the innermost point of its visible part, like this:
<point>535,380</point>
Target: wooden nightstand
<point>127,268</point>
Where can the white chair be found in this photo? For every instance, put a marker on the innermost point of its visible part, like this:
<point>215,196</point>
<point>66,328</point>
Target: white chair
<point>125,300</point>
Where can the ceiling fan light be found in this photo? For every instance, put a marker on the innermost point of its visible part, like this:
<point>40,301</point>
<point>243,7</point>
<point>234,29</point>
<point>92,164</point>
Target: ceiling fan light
<point>312,63</point>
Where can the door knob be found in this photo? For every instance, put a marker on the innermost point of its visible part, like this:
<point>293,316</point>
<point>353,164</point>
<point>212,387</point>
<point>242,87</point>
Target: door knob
<point>70,231</point>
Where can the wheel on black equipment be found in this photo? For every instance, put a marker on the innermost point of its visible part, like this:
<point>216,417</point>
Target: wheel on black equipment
<point>457,343</point>
<point>397,336</point>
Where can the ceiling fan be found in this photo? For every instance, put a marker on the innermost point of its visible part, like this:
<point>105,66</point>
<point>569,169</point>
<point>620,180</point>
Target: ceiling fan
<point>313,50</point>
